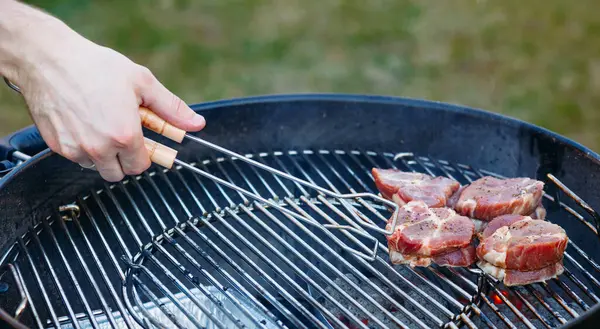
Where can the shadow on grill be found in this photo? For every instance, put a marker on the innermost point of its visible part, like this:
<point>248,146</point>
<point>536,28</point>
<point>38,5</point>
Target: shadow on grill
<point>170,249</point>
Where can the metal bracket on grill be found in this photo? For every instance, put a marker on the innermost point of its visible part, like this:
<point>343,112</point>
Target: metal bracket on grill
<point>9,267</point>
<point>69,211</point>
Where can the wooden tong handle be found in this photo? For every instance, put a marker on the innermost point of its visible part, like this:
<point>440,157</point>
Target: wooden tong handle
<point>160,154</point>
<point>157,124</point>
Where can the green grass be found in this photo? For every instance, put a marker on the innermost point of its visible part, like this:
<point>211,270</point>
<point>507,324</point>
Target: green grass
<point>536,60</point>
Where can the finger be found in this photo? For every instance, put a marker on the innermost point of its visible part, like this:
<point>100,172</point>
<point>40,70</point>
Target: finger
<point>168,106</point>
<point>133,156</point>
<point>109,168</point>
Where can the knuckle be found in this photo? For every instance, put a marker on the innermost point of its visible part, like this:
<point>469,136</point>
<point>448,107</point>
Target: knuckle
<point>138,168</point>
<point>112,177</point>
<point>69,152</point>
<point>145,76</point>
<point>94,151</point>
<point>125,138</point>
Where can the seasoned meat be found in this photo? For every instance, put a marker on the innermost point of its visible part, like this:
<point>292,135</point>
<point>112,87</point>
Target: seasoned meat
<point>424,232</point>
<point>525,245</point>
<point>500,221</point>
<point>403,187</point>
<point>519,278</point>
<point>485,229</point>
<point>489,197</point>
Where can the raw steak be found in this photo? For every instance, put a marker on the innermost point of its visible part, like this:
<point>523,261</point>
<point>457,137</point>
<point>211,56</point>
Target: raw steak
<point>519,278</point>
<point>526,245</point>
<point>485,229</point>
<point>462,257</point>
<point>500,221</point>
<point>489,197</point>
<point>424,232</point>
<point>403,187</point>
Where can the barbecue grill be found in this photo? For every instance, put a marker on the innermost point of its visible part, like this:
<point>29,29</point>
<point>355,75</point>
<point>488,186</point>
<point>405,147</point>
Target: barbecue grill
<point>170,248</point>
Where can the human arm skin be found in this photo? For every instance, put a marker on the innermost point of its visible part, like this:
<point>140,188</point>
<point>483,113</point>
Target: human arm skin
<point>84,98</point>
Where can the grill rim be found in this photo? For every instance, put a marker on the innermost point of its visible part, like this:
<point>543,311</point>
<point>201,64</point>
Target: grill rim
<point>341,97</point>
<point>586,317</point>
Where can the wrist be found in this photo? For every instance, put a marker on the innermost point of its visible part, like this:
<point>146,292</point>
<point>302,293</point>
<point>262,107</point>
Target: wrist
<point>29,41</point>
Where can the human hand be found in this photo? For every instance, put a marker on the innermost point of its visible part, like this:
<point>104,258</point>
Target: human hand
<point>84,99</point>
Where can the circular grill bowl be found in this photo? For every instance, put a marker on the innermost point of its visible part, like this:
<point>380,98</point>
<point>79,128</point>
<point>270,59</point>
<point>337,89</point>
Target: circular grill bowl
<point>480,139</point>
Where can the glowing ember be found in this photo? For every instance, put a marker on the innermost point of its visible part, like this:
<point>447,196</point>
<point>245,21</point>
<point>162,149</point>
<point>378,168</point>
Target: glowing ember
<point>511,298</point>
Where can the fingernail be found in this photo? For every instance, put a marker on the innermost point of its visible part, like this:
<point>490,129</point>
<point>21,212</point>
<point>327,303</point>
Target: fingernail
<point>198,120</point>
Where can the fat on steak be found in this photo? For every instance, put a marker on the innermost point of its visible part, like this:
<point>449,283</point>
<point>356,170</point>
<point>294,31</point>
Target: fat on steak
<point>490,197</point>
<point>525,245</point>
<point>403,187</point>
<point>519,278</point>
<point>424,232</point>
<point>462,257</point>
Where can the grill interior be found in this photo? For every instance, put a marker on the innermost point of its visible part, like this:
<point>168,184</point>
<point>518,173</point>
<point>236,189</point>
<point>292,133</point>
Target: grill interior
<point>169,248</point>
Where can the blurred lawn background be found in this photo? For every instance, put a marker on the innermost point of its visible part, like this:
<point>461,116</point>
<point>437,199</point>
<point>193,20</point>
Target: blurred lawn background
<point>536,60</point>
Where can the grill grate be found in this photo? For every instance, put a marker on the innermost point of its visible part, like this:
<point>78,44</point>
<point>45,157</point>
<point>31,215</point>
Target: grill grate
<point>170,248</point>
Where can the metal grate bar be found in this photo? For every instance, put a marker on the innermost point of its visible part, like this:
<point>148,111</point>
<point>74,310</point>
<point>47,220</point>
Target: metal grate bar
<point>163,289</point>
<point>249,279</point>
<point>191,278</point>
<point>307,201</point>
<point>110,222</point>
<point>74,280</point>
<point>174,261</point>
<point>300,273</point>
<point>282,291</point>
<point>126,317</point>
<point>180,198</point>
<point>157,303</point>
<point>55,279</point>
<point>31,303</point>
<point>579,284</point>
<point>497,311</point>
<point>188,293</point>
<point>189,189</point>
<point>38,280</point>
<point>147,227</point>
<point>541,300</point>
<point>321,259</point>
<point>531,308</point>
<point>159,264</point>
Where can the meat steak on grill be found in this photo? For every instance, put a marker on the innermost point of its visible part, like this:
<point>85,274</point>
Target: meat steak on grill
<point>423,232</point>
<point>462,257</point>
<point>525,245</point>
<point>519,278</point>
<point>403,187</point>
<point>490,197</point>
<point>500,221</point>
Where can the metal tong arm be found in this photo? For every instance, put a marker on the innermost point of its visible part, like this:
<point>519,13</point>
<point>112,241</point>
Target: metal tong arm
<point>155,123</point>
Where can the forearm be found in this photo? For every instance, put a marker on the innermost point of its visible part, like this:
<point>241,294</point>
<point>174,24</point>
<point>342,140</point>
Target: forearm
<point>27,36</point>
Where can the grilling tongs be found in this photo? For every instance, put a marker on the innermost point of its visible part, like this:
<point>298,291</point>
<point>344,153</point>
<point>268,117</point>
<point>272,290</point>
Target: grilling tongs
<point>167,157</point>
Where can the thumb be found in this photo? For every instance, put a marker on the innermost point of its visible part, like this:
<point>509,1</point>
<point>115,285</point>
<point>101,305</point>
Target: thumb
<point>171,108</point>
